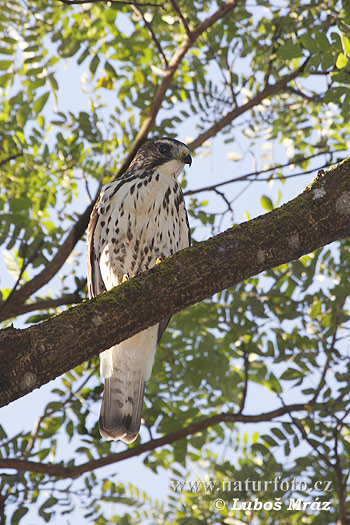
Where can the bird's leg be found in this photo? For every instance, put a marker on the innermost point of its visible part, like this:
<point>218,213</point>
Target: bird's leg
<point>125,277</point>
<point>159,260</point>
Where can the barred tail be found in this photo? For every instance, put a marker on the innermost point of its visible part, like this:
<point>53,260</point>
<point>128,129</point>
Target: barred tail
<point>126,367</point>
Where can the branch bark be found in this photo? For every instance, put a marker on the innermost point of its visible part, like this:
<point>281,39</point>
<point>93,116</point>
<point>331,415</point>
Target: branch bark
<point>31,357</point>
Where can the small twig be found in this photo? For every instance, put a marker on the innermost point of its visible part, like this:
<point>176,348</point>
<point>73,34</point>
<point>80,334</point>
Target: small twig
<point>339,479</point>
<point>328,352</point>
<point>12,157</point>
<point>112,2</point>
<point>255,174</point>
<point>267,92</point>
<point>197,91</point>
<point>302,430</point>
<point>181,16</point>
<point>225,199</point>
<point>246,377</point>
<point>293,175</point>
<point>71,298</point>
<point>137,9</point>
<point>146,425</point>
<point>87,188</point>
<point>312,98</point>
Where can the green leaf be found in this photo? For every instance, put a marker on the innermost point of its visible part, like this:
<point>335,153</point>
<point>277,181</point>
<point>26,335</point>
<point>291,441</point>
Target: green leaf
<point>94,64</point>
<point>50,502</point>
<point>322,41</point>
<point>290,374</point>
<point>40,103</point>
<point>110,69</point>
<point>289,51</point>
<point>266,203</point>
<point>341,61</point>
<point>346,44</point>
<point>273,384</point>
<point>5,64</point>
<point>18,515</point>
<point>309,43</point>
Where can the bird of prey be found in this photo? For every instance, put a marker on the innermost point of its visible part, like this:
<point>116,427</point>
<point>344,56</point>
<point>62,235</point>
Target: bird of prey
<point>139,220</point>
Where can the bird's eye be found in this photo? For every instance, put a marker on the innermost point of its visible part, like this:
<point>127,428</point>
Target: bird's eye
<point>164,149</point>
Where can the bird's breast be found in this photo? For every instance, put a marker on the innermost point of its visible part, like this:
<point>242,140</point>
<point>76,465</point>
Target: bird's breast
<point>145,221</point>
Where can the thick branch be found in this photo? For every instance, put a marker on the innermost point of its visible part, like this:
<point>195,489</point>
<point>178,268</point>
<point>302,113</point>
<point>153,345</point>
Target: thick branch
<point>321,214</point>
<point>60,470</point>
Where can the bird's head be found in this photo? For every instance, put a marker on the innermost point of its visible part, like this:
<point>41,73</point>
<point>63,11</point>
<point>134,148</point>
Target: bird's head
<point>169,153</point>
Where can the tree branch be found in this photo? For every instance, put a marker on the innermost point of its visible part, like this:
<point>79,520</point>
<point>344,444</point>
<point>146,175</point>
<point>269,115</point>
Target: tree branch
<point>181,16</point>
<point>31,357</point>
<point>14,305</point>
<point>12,157</point>
<point>152,35</point>
<point>246,378</point>
<point>60,470</point>
<point>269,90</point>
<point>45,304</point>
<point>173,65</point>
<point>112,2</point>
<point>341,485</point>
<point>255,174</point>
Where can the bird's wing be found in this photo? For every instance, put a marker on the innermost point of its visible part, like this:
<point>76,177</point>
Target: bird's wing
<point>186,242</point>
<point>94,278</point>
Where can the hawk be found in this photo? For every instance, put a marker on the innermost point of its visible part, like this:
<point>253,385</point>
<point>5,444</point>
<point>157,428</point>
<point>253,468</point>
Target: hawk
<point>138,220</point>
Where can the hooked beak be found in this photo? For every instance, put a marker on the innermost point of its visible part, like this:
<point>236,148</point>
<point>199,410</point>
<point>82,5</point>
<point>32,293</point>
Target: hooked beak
<point>187,159</point>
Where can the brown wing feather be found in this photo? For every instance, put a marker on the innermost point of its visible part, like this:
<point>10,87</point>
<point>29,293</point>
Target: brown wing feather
<point>164,322</point>
<point>94,278</point>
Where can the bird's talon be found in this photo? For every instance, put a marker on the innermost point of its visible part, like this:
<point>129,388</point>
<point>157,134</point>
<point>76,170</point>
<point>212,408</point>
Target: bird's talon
<point>125,277</point>
<point>159,260</point>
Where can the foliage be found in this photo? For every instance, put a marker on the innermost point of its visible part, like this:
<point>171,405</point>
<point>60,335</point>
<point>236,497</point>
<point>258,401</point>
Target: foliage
<point>262,74</point>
